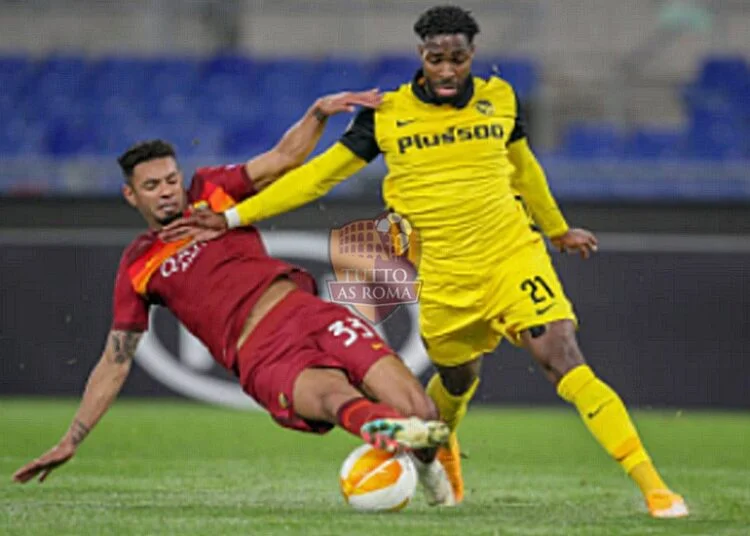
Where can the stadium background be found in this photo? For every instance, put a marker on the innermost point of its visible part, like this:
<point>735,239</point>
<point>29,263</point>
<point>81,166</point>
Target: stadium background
<point>640,112</point>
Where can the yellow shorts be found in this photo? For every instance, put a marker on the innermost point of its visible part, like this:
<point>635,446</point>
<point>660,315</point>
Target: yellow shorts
<point>522,292</point>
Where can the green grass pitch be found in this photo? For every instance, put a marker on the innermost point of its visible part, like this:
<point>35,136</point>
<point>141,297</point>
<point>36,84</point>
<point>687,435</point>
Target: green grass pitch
<point>155,467</point>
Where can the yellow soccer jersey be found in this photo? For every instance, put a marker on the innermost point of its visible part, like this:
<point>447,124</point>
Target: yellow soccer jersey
<point>449,174</point>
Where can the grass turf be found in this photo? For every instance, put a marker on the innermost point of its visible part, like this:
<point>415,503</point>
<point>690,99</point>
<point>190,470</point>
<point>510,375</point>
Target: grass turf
<point>155,467</point>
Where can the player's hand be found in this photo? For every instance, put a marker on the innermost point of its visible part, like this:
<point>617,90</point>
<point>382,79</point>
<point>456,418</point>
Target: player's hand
<point>347,101</point>
<point>201,225</point>
<point>43,466</point>
<point>576,241</point>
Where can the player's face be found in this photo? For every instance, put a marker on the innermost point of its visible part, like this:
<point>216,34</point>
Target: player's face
<point>446,62</point>
<point>157,191</point>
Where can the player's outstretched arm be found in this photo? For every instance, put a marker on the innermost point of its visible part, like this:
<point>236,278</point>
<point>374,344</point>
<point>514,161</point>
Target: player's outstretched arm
<point>299,141</point>
<point>296,188</point>
<point>103,385</point>
<point>530,181</point>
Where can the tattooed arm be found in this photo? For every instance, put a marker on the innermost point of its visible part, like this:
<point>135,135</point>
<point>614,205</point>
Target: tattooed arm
<point>104,383</point>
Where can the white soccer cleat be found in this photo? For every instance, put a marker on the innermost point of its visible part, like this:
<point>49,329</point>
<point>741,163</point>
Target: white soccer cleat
<point>392,435</point>
<point>437,488</point>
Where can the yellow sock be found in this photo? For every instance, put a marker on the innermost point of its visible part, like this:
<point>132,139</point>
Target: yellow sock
<point>647,477</point>
<point>604,414</point>
<point>452,408</point>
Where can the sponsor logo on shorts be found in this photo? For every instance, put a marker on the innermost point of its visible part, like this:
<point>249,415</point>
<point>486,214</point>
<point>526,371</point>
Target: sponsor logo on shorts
<point>375,261</point>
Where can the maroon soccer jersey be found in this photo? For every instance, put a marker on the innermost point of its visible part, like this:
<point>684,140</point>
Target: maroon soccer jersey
<point>211,286</point>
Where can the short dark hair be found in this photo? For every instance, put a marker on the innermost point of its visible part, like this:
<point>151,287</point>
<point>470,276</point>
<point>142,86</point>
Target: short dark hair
<point>446,20</point>
<point>143,151</point>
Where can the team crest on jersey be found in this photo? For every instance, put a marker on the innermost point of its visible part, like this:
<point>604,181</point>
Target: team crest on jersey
<point>485,107</point>
<point>375,264</point>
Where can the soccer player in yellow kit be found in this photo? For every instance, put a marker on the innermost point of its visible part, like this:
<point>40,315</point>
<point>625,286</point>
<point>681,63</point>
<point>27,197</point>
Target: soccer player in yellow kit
<point>457,153</point>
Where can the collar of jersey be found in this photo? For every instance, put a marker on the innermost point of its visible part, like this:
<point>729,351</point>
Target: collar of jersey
<point>419,88</point>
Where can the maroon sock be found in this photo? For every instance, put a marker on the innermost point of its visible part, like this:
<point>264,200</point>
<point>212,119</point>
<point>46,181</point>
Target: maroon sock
<point>352,415</point>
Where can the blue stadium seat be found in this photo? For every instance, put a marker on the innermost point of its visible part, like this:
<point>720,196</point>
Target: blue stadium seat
<point>716,137</point>
<point>116,74</point>
<point>341,74</point>
<point>60,74</point>
<point>335,127</point>
<point>70,137</point>
<point>19,137</point>
<point>586,140</point>
<point>655,142</point>
<point>200,140</point>
<point>13,72</point>
<point>172,75</point>
<point>285,110</point>
<point>247,140</point>
<point>724,72</point>
<point>228,64</point>
<point>287,80</point>
<point>14,76</point>
<point>55,90</point>
<point>117,86</point>
<point>720,96</point>
<point>228,108</point>
<point>113,137</point>
<point>171,106</point>
<point>227,91</point>
<point>390,72</point>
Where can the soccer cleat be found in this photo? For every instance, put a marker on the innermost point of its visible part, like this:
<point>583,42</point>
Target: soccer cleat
<point>450,456</point>
<point>665,504</point>
<point>393,435</point>
<point>437,488</point>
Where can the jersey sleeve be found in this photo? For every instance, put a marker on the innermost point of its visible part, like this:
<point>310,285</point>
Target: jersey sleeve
<point>129,309</point>
<point>519,127</point>
<point>359,138</point>
<point>232,179</point>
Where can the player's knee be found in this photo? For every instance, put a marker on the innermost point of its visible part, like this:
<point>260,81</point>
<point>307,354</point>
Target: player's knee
<point>427,409</point>
<point>458,380</point>
<point>319,393</point>
<point>326,406</point>
<point>559,353</point>
<point>420,405</point>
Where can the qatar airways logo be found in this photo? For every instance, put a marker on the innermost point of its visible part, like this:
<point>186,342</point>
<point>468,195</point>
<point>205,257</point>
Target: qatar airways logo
<point>181,261</point>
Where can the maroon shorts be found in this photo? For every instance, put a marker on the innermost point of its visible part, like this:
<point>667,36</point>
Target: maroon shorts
<point>300,332</point>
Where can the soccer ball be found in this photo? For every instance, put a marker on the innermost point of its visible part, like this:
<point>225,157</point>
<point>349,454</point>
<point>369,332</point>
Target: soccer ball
<point>373,480</point>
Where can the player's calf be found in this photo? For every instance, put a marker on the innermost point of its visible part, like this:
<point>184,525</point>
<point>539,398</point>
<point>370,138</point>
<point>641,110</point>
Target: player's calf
<point>392,383</point>
<point>554,347</point>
